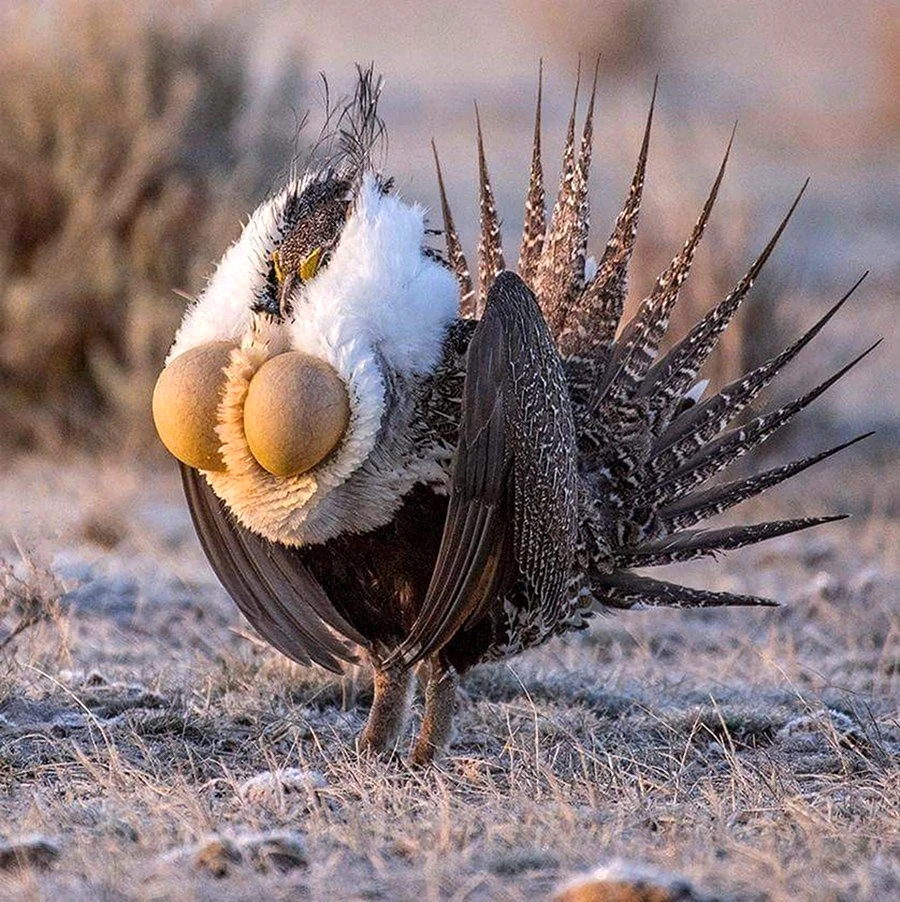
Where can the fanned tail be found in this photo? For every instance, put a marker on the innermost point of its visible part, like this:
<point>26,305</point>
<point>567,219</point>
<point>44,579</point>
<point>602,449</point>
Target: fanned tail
<point>691,544</point>
<point>648,445</point>
<point>667,381</point>
<point>590,324</point>
<point>687,510</point>
<point>490,247</point>
<point>638,345</point>
<point>560,270</point>
<point>623,589</point>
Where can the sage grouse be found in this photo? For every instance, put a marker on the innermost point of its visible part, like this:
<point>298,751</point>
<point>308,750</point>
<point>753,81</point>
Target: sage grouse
<point>384,459</point>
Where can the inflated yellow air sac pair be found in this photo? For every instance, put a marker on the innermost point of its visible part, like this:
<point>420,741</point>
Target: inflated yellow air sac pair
<point>296,412</point>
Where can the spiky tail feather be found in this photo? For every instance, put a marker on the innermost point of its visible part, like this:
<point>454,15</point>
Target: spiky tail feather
<point>648,444</point>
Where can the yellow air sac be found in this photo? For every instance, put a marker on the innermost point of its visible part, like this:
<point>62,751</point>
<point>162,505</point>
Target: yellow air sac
<point>296,413</point>
<point>185,401</point>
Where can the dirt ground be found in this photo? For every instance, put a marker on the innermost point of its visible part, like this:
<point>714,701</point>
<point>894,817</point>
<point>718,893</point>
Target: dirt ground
<point>151,747</point>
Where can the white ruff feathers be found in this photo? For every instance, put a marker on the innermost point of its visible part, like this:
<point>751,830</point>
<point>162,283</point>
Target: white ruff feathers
<point>378,311</point>
<point>380,297</point>
<point>222,311</point>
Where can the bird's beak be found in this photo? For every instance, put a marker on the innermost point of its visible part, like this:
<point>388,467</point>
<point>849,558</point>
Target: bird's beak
<point>284,292</point>
<point>288,280</point>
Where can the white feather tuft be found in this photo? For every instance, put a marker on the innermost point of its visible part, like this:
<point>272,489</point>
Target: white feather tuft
<point>380,300</point>
<point>378,312</point>
<point>697,390</point>
<point>379,290</point>
<point>222,310</point>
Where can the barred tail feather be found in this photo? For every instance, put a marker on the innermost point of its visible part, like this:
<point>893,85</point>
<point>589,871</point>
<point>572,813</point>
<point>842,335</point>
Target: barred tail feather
<point>693,508</point>
<point>455,256</point>
<point>623,589</point>
<point>535,211</point>
<point>560,271</point>
<point>692,544</point>
<point>490,246</point>
<point>669,378</point>
<point>723,451</point>
<point>701,423</point>
<point>638,345</point>
<point>590,324</point>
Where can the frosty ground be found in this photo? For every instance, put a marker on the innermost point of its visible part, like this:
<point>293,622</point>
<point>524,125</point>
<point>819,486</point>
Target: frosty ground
<point>754,752</point>
<point>152,747</point>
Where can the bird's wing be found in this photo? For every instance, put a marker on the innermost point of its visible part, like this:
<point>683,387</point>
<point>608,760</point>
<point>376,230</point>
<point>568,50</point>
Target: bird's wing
<point>270,584</point>
<point>512,510</point>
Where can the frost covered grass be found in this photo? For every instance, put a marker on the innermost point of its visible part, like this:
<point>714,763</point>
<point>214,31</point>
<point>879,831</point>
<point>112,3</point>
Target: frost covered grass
<point>159,750</point>
<point>152,747</point>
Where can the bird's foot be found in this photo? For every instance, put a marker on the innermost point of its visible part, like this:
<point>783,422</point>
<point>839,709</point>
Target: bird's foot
<point>387,716</point>
<point>437,724</point>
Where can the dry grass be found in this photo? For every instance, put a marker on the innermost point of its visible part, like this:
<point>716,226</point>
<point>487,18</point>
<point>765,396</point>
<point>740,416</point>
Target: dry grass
<point>151,747</point>
<point>754,752</point>
<point>29,595</point>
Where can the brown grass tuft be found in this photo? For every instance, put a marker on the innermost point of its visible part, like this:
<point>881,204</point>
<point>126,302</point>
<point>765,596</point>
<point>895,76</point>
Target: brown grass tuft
<point>120,135</point>
<point>29,595</point>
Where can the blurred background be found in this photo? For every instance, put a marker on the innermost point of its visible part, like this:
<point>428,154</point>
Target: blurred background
<point>134,137</point>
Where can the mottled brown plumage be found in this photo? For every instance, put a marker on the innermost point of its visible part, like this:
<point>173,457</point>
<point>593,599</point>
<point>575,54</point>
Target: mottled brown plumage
<point>559,458</point>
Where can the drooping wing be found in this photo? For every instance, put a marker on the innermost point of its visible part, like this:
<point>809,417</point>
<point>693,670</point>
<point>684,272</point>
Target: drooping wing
<point>270,584</point>
<point>512,516</point>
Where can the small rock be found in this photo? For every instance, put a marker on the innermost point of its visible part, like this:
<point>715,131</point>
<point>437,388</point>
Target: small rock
<point>216,855</point>
<point>279,850</point>
<point>822,722</point>
<point>286,785</point>
<point>80,678</point>
<point>28,851</point>
<point>622,881</point>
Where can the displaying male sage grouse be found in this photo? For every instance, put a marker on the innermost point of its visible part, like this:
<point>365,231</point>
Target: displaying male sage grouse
<point>384,460</point>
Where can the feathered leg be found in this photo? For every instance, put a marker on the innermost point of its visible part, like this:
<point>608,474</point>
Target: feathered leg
<point>389,708</point>
<point>440,706</point>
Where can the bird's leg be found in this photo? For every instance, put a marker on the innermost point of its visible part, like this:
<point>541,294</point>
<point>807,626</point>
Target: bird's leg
<point>389,708</point>
<point>440,706</point>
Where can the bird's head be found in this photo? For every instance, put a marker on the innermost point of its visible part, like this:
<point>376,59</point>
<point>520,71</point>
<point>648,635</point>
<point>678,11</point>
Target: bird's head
<point>313,219</point>
<point>284,373</point>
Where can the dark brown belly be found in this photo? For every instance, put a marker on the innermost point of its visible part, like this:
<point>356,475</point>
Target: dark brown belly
<point>378,580</point>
